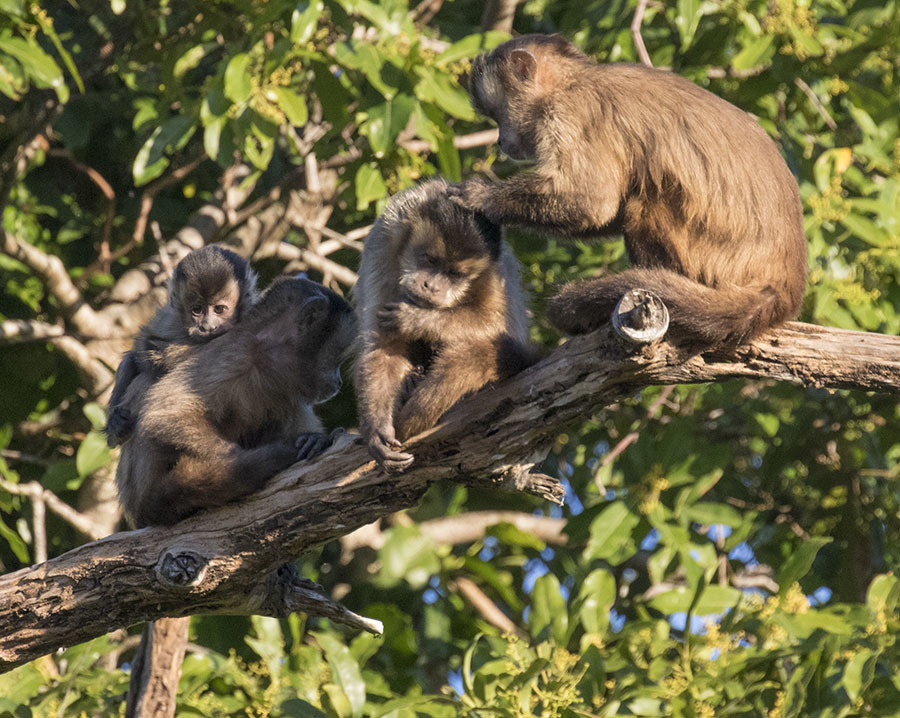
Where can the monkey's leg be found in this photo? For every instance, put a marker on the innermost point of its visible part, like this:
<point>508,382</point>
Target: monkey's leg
<point>199,482</point>
<point>381,376</point>
<point>533,200</point>
<point>458,370</point>
<point>581,307</point>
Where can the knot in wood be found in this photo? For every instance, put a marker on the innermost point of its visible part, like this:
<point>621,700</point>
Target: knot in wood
<point>640,317</point>
<point>182,569</point>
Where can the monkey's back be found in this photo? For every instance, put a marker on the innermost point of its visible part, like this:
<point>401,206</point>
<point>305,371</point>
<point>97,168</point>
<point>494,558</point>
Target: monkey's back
<point>705,192</point>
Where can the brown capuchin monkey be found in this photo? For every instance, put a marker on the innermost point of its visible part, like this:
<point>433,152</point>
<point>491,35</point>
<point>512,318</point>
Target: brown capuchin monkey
<point>709,210</point>
<point>441,313</point>
<point>234,411</point>
<point>210,290</point>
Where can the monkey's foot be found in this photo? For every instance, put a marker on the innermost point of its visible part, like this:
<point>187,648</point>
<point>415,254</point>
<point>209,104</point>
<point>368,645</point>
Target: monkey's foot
<point>386,451</point>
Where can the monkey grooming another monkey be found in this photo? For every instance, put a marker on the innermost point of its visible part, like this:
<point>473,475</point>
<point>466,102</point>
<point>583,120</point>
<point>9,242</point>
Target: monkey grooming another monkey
<point>709,210</point>
<point>234,411</point>
<point>441,314</point>
<point>210,290</point>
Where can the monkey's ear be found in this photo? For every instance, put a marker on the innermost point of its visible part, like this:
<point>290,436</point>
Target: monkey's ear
<point>523,63</point>
<point>314,309</point>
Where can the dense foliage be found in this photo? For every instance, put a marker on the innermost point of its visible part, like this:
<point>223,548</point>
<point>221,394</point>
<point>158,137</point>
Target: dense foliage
<point>728,548</point>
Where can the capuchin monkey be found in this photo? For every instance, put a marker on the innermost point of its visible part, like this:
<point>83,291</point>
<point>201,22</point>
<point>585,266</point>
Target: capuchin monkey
<point>441,313</point>
<point>234,411</point>
<point>210,290</point>
<point>709,210</point>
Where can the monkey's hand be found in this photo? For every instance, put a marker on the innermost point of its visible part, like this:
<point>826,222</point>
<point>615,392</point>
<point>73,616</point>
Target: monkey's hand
<point>311,444</point>
<point>396,318</point>
<point>119,426</point>
<point>472,194</point>
<point>385,449</point>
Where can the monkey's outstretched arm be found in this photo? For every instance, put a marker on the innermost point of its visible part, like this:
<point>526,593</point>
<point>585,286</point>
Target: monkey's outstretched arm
<point>530,199</point>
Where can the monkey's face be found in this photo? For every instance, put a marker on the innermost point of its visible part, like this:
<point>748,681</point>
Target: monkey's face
<point>437,274</point>
<point>501,85</point>
<point>206,316</point>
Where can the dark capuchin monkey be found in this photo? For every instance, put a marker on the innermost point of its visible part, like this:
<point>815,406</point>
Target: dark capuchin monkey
<point>234,411</point>
<point>709,210</point>
<point>210,290</point>
<point>441,313</point>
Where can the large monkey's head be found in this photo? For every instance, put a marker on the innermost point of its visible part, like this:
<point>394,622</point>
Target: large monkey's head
<point>210,290</point>
<point>511,83</point>
<point>448,248</point>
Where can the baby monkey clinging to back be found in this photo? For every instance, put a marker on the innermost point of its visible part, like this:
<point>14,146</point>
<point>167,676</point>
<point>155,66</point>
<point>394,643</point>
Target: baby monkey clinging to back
<point>441,313</point>
<point>709,210</point>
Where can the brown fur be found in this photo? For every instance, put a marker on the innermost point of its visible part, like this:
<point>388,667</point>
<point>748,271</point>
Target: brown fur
<point>709,210</point>
<point>233,412</point>
<point>441,312</point>
<point>210,290</point>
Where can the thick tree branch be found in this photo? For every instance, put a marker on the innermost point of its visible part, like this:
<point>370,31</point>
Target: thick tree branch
<point>52,272</point>
<point>486,440</point>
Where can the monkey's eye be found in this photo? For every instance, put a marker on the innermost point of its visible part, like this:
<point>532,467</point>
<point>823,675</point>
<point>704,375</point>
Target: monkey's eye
<point>196,310</point>
<point>220,309</point>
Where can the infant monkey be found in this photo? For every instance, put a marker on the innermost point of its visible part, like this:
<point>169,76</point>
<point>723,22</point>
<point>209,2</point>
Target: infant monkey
<point>210,290</point>
<point>709,210</point>
<point>441,313</point>
<point>234,411</point>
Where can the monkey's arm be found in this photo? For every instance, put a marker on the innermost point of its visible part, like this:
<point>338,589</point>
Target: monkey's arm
<point>119,419</point>
<point>457,371</point>
<point>381,377</point>
<point>446,325</point>
<point>530,199</point>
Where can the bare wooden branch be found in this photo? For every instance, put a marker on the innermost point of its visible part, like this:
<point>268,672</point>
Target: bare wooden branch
<point>52,272</point>
<point>636,36</point>
<point>498,15</point>
<point>481,138</point>
<point>36,492</point>
<point>817,103</point>
<point>485,606</point>
<point>483,441</point>
<point>13,331</point>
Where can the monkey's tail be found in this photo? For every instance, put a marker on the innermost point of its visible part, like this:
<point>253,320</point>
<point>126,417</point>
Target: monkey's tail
<point>698,314</point>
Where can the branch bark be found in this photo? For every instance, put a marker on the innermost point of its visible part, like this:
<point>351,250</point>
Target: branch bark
<point>485,440</point>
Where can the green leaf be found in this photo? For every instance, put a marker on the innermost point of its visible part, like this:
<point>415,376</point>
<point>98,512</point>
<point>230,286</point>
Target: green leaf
<point>768,422</point>
<point>597,596</point>
<point>237,78</point>
<point>15,542</point>
<point>800,561</point>
<point>386,121</point>
<point>883,593</point>
<point>757,52</point>
<point>95,414</point>
<point>212,133</point>
<point>190,59</point>
<point>708,513</point>
<point>344,670</point>
<point>440,89</point>
<point>610,531</point>
<point>713,599</point>
<point>42,68</point>
<point>293,106</point>
<point>92,454</point>
<point>448,159</point>
<point>687,19</point>
<point>548,609</point>
<point>172,135</point>
<point>409,555</point>
<point>369,185</point>
<point>859,672</point>
<point>268,643</point>
<point>510,535</point>
<point>470,46</point>
<point>304,21</point>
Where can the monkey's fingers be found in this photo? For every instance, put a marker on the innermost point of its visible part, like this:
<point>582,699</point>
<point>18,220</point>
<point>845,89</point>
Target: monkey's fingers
<point>387,317</point>
<point>388,456</point>
<point>311,444</point>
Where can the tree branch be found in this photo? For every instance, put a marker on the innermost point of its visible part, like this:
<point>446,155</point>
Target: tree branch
<point>485,440</point>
